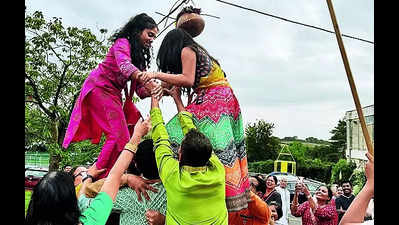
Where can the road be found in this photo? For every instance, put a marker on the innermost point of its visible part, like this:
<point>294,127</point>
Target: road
<point>292,220</point>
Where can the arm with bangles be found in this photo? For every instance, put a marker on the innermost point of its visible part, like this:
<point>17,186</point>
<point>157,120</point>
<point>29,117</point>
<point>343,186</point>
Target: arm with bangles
<point>313,205</point>
<point>297,209</point>
<point>115,178</point>
<point>294,203</point>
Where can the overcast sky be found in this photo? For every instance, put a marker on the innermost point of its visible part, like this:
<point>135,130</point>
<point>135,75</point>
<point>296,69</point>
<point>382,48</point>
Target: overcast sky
<point>286,74</point>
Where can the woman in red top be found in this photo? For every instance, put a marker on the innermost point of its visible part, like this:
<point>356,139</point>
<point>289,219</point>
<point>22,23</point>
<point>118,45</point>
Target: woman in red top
<point>317,210</point>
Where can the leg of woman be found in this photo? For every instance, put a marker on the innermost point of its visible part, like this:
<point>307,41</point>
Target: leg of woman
<point>106,109</point>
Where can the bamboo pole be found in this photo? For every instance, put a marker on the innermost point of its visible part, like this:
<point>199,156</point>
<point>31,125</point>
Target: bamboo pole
<point>350,79</point>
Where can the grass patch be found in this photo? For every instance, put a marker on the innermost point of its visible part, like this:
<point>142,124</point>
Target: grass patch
<point>28,194</point>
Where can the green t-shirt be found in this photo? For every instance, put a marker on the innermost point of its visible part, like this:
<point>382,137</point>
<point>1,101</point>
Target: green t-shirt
<point>196,195</point>
<point>97,210</point>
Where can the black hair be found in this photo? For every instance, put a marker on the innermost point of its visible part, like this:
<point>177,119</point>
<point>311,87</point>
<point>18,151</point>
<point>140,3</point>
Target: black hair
<point>196,149</point>
<point>274,178</point>
<point>169,53</point>
<point>330,193</point>
<point>346,181</point>
<point>132,169</point>
<point>188,9</point>
<point>278,209</point>
<point>72,171</point>
<point>145,159</point>
<point>53,201</point>
<point>140,56</point>
<point>261,184</point>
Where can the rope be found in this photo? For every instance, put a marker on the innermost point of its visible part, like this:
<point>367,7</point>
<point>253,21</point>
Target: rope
<point>295,22</point>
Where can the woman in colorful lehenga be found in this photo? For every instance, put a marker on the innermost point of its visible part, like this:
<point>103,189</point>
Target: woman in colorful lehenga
<point>216,111</point>
<point>98,108</point>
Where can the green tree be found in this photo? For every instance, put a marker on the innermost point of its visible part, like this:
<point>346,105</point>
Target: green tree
<point>298,150</point>
<point>341,171</point>
<point>338,139</point>
<point>57,61</point>
<point>325,153</point>
<point>260,143</point>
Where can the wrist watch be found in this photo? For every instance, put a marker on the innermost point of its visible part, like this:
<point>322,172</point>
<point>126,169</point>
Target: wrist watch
<point>85,175</point>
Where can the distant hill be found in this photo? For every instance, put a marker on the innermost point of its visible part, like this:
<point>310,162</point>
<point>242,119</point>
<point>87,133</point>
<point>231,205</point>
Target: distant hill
<point>311,141</point>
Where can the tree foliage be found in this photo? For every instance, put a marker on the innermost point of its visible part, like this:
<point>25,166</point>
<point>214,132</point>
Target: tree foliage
<point>57,61</point>
<point>338,138</point>
<point>260,143</point>
<point>342,171</point>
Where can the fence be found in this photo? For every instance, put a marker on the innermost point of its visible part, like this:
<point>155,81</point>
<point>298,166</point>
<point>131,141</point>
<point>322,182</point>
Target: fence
<point>37,159</point>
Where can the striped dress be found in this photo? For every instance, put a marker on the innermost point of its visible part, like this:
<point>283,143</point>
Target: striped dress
<point>216,113</point>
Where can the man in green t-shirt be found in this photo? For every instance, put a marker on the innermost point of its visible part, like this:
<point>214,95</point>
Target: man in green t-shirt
<point>195,182</point>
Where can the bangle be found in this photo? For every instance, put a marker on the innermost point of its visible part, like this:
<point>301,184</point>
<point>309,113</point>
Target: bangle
<point>125,149</point>
<point>131,147</point>
<point>86,177</point>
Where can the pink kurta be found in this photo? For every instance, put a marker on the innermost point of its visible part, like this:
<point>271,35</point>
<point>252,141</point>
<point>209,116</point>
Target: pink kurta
<point>322,216</point>
<point>98,108</point>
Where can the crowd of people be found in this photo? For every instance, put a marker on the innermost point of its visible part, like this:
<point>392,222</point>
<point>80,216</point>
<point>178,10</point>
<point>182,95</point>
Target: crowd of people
<point>192,169</point>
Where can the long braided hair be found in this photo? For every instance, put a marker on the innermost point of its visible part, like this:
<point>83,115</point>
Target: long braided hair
<point>141,56</point>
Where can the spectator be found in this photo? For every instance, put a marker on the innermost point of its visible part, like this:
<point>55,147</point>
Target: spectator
<point>270,193</point>
<point>339,191</point>
<point>276,213</point>
<point>261,186</point>
<point>257,185</point>
<point>317,210</point>
<point>333,188</point>
<point>302,196</point>
<point>77,173</point>
<point>357,210</point>
<point>343,201</point>
<point>285,200</point>
<point>195,182</point>
<point>54,199</point>
<point>258,212</point>
<point>67,169</point>
<point>253,184</point>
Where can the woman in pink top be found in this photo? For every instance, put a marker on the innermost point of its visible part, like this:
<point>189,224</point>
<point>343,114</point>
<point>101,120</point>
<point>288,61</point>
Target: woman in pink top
<point>98,108</point>
<point>318,210</point>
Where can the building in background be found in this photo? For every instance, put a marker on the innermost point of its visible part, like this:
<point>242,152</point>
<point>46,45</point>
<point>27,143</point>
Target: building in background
<point>356,147</point>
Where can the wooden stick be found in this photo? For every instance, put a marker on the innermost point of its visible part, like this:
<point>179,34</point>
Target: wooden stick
<point>350,79</point>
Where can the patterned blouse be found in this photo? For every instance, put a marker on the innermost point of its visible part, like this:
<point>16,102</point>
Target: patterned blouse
<point>203,66</point>
<point>322,216</point>
<point>133,211</point>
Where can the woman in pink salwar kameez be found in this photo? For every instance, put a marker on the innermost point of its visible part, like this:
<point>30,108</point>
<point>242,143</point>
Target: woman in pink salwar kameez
<point>98,108</point>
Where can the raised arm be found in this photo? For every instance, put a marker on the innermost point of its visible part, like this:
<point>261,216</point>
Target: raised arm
<point>163,152</point>
<point>357,210</point>
<point>312,203</point>
<point>113,180</point>
<point>185,117</point>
